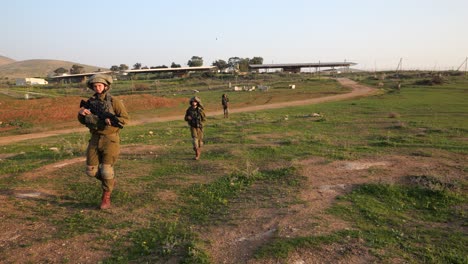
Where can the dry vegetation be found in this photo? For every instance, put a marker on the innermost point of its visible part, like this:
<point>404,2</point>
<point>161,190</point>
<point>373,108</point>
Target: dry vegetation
<point>59,112</point>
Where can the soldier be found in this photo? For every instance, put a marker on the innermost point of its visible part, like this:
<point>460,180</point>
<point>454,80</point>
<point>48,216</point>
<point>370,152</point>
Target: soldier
<point>195,116</point>
<point>225,103</point>
<point>104,116</point>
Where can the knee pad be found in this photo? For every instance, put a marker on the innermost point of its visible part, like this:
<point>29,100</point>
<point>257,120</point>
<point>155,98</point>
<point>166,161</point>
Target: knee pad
<point>107,171</point>
<point>92,171</point>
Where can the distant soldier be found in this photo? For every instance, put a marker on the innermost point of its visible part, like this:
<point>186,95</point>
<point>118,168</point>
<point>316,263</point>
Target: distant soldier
<point>104,116</point>
<point>195,116</point>
<point>225,103</point>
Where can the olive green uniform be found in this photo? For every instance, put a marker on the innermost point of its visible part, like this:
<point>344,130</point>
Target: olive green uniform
<point>104,145</point>
<point>225,103</point>
<point>195,116</point>
<point>196,125</point>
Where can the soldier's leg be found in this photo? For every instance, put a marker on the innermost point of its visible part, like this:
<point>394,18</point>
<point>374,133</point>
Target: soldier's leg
<point>199,143</point>
<point>195,141</point>
<point>110,150</point>
<point>200,137</point>
<point>108,177</point>
<point>92,158</point>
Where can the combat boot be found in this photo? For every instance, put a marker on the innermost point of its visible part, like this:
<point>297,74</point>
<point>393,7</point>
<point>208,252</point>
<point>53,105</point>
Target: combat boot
<point>106,202</point>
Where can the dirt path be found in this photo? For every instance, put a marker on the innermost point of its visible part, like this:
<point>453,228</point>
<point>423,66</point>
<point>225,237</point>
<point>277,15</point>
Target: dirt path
<point>358,90</point>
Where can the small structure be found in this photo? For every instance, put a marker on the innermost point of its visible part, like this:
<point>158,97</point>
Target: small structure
<point>263,88</point>
<point>30,81</point>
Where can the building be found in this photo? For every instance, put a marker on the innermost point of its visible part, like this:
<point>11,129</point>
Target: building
<point>30,81</point>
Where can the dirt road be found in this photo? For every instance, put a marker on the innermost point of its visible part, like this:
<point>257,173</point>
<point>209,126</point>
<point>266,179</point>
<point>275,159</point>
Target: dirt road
<point>358,90</point>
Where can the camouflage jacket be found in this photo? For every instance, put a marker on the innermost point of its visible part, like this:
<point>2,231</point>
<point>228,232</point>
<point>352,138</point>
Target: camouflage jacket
<point>197,115</point>
<point>107,104</point>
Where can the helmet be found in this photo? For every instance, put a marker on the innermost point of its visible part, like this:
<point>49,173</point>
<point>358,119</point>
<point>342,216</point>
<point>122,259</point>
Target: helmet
<point>196,99</point>
<point>99,78</point>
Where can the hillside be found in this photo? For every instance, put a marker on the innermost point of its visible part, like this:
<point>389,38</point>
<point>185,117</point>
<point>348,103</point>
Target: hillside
<point>37,68</point>
<point>5,60</point>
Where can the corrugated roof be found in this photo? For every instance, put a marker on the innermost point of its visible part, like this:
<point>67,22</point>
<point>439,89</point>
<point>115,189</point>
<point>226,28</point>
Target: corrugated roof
<point>302,65</point>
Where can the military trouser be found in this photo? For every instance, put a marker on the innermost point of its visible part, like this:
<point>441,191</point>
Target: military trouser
<point>101,155</point>
<point>197,137</point>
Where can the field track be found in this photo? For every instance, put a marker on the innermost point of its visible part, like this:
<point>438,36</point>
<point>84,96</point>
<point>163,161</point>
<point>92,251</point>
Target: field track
<point>358,90</point>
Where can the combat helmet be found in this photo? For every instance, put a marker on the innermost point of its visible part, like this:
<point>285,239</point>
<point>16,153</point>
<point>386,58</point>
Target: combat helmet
<point>99,78</point>
<point>196,99</point>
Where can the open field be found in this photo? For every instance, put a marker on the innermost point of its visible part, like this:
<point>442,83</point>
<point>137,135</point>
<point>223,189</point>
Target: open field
<point>380,179</point>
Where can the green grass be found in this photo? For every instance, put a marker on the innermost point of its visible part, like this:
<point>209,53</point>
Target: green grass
<point>417,223</point>
<point>210,202</point>
<point>164,199</point>
<point>420,225</point>
<point>158,243</point>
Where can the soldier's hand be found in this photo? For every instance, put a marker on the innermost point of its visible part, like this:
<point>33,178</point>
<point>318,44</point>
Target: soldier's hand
<point>83,111</point>
<point>189,117</point>
<point>108,121</point>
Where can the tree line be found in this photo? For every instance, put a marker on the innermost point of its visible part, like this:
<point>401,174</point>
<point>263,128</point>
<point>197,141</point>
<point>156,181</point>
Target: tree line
<point>233,64</point>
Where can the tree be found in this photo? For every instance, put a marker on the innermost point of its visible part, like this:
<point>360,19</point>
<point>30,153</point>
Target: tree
<point>174,65</point>
<point>60,71</point>
<point>77,69</point>
<point>137,66</point>
<point>159,67</point>
<point>256,60</point>
<point>244,65</point>
<point>114,68</point>
<point>233,63</point>
<point>195,61</point>
<point>123,67</point>
<point>221,64</point>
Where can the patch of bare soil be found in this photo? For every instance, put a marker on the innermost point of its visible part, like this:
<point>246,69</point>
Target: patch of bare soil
<point>236,243</point>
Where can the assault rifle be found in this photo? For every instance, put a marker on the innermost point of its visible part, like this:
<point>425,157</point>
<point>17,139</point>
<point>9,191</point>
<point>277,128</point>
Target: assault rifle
<point>101,114</point>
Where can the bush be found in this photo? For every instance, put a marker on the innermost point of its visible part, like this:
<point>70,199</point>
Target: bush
<point>141,86</point>
<point>438,79</point>
<point>423,82</point>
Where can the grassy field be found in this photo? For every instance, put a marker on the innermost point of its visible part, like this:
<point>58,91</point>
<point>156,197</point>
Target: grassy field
<point>56,106</point>
<point>171,209</point>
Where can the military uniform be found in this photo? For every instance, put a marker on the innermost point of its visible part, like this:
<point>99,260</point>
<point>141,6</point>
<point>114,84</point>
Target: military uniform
<point>195,116</point>
<point>225,103</point>
<point>104,145</point>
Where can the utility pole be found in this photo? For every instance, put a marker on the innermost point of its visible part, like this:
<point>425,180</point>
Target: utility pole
<point>400,65</point>
<point>464,63</point>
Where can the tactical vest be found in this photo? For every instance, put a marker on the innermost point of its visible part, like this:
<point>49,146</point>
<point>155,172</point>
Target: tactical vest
<point>104,106</point>
<point>196,120</point>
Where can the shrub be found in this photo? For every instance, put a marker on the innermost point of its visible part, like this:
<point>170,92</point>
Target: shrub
<point>141,86</point>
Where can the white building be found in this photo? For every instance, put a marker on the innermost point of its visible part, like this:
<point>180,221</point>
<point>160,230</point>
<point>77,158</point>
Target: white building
<point>30,81</point>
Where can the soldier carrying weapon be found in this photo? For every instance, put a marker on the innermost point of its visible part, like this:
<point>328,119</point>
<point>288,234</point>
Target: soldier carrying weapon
<point>195,116</point>
<point>104,116</point>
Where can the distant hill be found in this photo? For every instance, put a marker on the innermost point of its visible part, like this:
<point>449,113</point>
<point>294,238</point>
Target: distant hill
<point>38,68</point>
<point>4,60</point>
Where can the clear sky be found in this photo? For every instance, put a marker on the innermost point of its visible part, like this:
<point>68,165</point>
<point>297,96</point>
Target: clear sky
<point>426,34</point>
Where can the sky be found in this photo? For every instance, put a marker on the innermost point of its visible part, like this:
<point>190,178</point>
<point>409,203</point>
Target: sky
<point>375,34</point>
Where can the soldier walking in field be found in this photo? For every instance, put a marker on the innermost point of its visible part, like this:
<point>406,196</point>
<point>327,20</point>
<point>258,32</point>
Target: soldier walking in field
<point>104,116</point>
<point>195,116</point>
<point>225,103</point>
